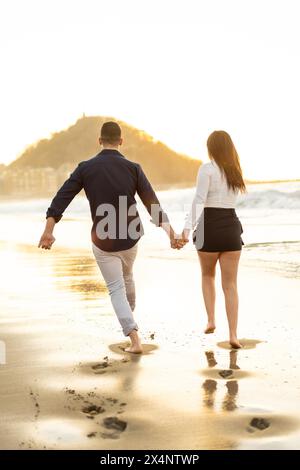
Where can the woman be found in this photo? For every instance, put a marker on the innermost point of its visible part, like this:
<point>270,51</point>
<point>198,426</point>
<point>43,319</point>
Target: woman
<point>218,230</point>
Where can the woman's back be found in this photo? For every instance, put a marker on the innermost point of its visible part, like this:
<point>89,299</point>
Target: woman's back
<point>218,194</point>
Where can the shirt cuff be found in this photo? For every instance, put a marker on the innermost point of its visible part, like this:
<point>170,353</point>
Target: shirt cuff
<point>51,213</point>
<point>159,217</point>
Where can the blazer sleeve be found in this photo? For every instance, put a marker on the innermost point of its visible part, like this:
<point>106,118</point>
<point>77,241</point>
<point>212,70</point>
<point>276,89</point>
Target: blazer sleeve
<point>65,195</point>
<point>149,199</point>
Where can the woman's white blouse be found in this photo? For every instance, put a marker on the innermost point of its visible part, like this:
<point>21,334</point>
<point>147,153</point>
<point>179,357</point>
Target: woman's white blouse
<point>211,191</point>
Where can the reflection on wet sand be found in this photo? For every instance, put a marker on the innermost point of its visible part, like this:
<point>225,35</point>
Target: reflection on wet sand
<point>229,402</point>
<point>233,360</point>
<point>241,423</point>
<point>79,274</point>
<point>210,386</point>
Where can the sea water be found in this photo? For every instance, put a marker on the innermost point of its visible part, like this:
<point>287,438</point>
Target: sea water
<point>270,215</point>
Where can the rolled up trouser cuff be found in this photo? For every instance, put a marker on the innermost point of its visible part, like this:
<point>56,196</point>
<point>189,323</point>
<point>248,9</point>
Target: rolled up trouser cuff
<point>128,329</point>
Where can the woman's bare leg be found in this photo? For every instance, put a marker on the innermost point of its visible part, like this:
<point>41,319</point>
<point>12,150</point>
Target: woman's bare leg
<point>229,262</point>
<point>208,263</point>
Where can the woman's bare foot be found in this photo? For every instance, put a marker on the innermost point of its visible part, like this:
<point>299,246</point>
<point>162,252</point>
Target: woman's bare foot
<point>210,328</point>
<point>136,345</point>
<point>235,344</point>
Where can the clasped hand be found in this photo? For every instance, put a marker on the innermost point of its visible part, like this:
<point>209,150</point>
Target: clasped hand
<point>179,241</point>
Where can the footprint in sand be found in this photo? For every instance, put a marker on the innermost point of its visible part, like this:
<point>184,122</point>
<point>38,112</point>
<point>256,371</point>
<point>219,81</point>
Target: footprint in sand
<point>259,423</point>
<point>116,425</point>
<point>258,426</point>
<point>92,410</point>
<point>100,367</point>
<point>225,374</point>
<point>107,365</point>
<point>113,425</point>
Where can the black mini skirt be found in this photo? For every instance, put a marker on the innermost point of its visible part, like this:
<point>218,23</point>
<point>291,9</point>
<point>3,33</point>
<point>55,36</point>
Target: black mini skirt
<point>218,230</point>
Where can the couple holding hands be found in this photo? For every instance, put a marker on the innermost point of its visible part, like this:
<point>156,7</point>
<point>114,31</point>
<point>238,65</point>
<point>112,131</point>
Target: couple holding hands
<point>110,182</point>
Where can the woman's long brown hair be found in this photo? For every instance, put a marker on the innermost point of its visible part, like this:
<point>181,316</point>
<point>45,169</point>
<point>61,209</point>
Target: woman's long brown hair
<point>221,149</point>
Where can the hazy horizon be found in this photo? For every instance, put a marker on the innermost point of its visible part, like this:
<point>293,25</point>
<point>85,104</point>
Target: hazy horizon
<point>253,180</point>
<point>177,70</point>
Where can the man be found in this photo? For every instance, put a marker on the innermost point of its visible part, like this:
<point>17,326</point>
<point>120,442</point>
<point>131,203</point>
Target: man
<point>110,182</point>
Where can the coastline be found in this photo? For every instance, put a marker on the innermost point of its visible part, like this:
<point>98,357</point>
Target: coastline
<point>157,187</point>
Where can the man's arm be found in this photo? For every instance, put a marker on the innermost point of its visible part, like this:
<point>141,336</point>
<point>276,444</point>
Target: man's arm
<point>152,204</point>
<point>47,239</point>
<point>64,196</point>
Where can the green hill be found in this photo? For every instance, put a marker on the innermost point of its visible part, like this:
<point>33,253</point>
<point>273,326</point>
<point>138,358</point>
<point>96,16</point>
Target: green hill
<point>80,142</point>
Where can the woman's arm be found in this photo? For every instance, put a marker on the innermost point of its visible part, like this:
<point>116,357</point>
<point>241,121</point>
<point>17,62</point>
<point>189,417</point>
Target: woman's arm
<point>202,187</point>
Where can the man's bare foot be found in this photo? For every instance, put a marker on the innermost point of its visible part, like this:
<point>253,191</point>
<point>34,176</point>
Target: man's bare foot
<point>136,345</point>
<point>134,350</point>
<point>210,328</point>
<point>235,344</point>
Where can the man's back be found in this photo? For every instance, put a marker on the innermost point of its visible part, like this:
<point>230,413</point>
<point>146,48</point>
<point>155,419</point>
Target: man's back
<point>110,182</point>
<point>108,176</point>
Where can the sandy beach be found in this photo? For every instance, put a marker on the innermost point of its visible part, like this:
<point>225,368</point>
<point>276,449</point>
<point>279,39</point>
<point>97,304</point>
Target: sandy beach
<point>187,111</point>
<point>67,384</point>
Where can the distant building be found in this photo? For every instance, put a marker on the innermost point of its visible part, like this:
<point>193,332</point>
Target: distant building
<point>33,181</point>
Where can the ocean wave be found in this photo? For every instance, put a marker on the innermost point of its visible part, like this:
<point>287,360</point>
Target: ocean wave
<point>271,198</point>
<point>172,200</point>
<point>258,196</point>
<point>281,257</point>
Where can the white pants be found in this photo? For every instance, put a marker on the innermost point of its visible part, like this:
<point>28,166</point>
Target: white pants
<point>116,268</point>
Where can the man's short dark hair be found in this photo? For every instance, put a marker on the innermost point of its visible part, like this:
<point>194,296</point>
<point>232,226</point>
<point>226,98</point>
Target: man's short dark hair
<point>110,132</point>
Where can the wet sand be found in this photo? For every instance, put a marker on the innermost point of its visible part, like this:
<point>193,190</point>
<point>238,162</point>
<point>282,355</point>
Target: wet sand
<point>67,383</point>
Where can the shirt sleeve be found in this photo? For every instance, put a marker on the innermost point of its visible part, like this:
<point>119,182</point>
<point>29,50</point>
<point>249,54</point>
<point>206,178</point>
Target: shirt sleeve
<point>65,195</point>
<point>149,199</point>
<point>202,186</point>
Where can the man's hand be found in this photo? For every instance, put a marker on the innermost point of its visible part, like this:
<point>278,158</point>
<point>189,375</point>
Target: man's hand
<point>46,241</point>
<point>173,242</point>
<point>185,235</point>
<point>178,242</point>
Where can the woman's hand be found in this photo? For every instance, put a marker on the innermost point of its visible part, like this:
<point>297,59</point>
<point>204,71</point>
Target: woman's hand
<point>178,241</point>
<point>185,235</point>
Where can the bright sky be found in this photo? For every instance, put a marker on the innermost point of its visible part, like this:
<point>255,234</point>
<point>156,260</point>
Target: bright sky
<point>177,69</point>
